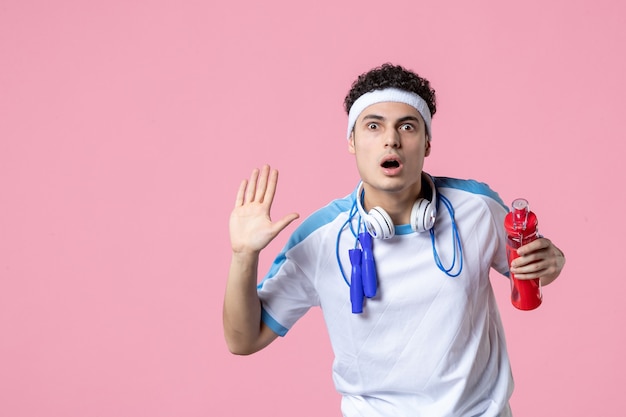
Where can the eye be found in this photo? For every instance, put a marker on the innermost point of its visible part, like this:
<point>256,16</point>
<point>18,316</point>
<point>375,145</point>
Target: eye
<point>372,126</point>
<point>407,127</point>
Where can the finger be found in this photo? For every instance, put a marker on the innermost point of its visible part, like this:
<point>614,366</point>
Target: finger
<point>271,187</point>
<point>542,268</point>
<point>530,258</point>
<point>524,274</point>
<point>529,268</point>
<point>279,225</point>
<point>250,190</point>
<point>240,193</point>
<point>262,184</point>
<point>533,246</point>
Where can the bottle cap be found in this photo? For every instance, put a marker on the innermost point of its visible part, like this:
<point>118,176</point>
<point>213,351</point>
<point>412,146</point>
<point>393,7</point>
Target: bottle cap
<point>520,213</point>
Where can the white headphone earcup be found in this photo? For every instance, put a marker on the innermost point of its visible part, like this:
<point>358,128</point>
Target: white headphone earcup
<point>423,215</point>
<point>379,224</point>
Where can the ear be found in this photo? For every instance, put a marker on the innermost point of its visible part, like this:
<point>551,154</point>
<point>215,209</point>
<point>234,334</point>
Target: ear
<point>427,152</point>
<point>351,147</point>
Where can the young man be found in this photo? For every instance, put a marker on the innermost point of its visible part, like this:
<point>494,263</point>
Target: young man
<point>400,268</point>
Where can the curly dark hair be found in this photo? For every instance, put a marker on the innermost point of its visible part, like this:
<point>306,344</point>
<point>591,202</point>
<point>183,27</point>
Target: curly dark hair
<point>389,75</point>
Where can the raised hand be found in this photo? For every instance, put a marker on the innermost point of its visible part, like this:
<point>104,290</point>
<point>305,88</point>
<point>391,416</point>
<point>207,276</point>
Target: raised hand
<point>251,227</point>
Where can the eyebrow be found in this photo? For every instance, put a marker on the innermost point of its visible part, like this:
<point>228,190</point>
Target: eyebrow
<point>400,120</point>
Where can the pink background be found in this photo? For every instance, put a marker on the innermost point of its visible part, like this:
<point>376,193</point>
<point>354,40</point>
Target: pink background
<point>126,127</point>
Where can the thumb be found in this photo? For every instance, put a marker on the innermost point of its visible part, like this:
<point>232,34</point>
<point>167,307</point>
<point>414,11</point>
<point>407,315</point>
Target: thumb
<point>281,224</point>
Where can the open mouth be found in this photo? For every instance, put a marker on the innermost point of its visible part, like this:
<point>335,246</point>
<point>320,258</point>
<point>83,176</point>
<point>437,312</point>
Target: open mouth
<point>390,163</point>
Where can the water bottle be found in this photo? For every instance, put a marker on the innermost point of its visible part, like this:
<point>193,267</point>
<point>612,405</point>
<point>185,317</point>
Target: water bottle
<point>521,228</point>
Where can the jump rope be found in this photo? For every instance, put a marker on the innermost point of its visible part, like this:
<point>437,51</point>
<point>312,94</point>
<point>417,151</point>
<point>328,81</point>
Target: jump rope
<point>363,281</point>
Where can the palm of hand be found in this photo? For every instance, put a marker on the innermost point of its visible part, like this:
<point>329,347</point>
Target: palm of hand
<point>251,227</point>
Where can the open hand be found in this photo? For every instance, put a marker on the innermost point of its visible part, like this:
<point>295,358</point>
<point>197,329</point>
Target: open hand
<point>251,227</point>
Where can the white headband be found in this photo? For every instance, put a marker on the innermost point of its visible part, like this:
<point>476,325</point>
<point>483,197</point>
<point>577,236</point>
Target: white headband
<point>389,94</point>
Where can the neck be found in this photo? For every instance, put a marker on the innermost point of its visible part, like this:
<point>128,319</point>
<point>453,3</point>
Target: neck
<point>397,204</point>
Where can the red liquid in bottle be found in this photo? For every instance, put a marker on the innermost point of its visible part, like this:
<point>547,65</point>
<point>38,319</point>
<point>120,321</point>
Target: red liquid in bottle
<point>521,228</point>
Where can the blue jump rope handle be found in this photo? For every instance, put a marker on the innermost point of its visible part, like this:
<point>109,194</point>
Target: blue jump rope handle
<point>369,268</point>
<point>356,282</point>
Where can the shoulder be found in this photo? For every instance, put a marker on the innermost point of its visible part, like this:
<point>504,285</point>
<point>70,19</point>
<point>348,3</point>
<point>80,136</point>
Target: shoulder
<point>322,218</point>
<point>308,234</point>
<point>468,188</point>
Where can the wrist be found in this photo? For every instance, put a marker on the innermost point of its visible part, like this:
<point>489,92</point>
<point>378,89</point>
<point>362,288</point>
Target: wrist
<point>244,255</point>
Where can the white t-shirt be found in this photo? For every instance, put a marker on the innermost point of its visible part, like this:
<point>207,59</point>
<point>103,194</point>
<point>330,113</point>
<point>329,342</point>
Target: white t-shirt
<point>427,344</point>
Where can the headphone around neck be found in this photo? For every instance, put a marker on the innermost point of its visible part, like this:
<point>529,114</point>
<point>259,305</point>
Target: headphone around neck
<point>379,223</point>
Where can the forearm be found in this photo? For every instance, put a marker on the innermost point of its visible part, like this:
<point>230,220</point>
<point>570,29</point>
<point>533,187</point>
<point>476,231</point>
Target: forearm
<point>251,230</point>
<point>242,307</point>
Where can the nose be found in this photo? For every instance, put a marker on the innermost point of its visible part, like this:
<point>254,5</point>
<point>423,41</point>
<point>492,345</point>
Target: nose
<point>392,139</point>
